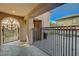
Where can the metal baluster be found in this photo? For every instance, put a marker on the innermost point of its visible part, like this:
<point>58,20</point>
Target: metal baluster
<point>75,41</point>
<point>61,41</point>
<point>55,41</point>
<point>72,42</point>
<point>69,43</point>
<point>66,40</point>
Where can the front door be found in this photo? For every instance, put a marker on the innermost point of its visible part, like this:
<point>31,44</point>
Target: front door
<point>37,29</point>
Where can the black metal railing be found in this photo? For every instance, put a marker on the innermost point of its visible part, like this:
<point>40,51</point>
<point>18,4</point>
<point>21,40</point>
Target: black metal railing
<point>64,40</point>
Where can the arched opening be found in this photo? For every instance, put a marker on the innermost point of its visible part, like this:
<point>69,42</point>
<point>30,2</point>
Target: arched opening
<point>9,30</point>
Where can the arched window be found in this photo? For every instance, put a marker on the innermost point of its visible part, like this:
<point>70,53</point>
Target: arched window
<point>10,29</point>
<point>10,23</point>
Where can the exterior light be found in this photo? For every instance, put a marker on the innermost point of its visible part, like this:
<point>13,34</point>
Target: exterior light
<point>13,11</point>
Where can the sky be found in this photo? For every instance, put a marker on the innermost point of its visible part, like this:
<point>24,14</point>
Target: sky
<point>64,10</point>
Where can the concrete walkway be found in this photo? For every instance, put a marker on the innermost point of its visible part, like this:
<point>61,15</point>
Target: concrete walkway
<point>10,49</point>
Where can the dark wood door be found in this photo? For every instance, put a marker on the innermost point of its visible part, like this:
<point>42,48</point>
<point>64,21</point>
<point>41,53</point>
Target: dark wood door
<point>37,29</point>
<point>37,24</point>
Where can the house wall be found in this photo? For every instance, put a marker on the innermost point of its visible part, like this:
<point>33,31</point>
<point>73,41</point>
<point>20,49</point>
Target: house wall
<point>45,19</point>
<point>68,21</point>
<point>45,23</point>
<point>22,30</point>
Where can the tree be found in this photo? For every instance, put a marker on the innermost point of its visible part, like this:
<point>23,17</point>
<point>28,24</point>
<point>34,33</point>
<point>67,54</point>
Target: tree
<point>52,24</point>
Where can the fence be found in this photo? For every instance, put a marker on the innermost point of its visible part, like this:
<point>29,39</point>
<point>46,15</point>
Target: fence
<point>59,41</point>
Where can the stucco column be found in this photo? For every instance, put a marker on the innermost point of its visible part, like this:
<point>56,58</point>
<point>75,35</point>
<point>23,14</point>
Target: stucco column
<point>30,31</point>
<point>23,33</point>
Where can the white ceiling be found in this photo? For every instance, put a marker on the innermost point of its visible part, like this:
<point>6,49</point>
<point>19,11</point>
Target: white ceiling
<point>20,9</point>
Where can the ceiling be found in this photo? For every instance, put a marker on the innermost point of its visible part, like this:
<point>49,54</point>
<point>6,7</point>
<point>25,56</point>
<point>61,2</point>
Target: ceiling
<point>44,7</point>
<point>27,9</point>
<point>20,9</point>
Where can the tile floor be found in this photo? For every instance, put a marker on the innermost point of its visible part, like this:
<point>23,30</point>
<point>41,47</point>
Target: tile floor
<point>14,49</point>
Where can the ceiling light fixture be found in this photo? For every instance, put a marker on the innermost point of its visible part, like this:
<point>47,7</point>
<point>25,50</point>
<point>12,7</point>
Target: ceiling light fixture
<point>13,11</point>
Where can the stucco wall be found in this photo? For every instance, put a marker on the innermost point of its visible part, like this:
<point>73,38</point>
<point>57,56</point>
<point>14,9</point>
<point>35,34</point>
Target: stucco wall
<point>65,22</point>
<point>68,21</point>
<point>45,19</point>
<point>45,23</point>
<point>23,27</point>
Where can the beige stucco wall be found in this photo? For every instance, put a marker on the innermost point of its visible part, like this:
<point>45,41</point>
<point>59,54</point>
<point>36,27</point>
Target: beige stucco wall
<point>45,23</point>
<point>68,21</point>
<point>45,19</point>
<point>23,26</point>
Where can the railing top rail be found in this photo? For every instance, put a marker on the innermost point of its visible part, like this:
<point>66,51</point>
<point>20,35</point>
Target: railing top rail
<point>62,26</point>
<point>75,27</point>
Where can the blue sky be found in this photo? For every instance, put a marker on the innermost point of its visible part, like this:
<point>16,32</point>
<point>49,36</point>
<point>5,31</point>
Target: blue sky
<point>64,10</point>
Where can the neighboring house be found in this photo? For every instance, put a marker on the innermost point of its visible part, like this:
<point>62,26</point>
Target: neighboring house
<point>68,20</point>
